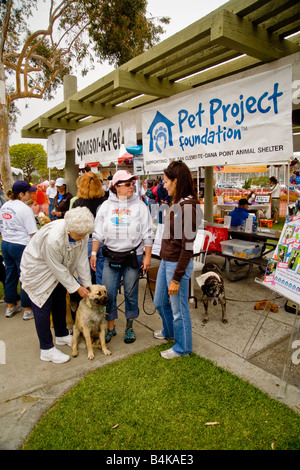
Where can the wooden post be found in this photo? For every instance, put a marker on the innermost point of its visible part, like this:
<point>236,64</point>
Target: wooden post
<point>209,193</point>
<point>71,170</point>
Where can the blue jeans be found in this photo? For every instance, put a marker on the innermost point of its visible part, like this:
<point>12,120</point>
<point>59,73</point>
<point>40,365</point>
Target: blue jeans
<point>50,208</point>
<point>174,309</point>
<point>112,279</point>
<point>12,254</point>
<point>99,263</point>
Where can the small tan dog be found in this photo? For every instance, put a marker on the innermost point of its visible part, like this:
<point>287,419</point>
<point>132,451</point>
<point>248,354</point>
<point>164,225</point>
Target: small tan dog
<point>90,321</point>
<point>43,219</point>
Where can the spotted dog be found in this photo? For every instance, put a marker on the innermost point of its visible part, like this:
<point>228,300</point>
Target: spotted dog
<point>212,286</point>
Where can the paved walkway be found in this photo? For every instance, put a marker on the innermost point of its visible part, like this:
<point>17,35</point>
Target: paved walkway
<point>29,386</point>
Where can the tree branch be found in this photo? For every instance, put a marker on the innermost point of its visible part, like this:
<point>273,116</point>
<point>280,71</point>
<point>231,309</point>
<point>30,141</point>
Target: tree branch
<point>3,35</point>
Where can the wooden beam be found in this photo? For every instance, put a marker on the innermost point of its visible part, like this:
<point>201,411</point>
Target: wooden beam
<point>65,124</point>
<point>239,34</point>
<point>93,109</point>
<point>222,70</point>
<point>136,82</point>
<point>33,134</point>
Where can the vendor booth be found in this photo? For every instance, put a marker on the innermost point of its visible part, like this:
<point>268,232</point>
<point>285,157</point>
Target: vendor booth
<point>224,91</point>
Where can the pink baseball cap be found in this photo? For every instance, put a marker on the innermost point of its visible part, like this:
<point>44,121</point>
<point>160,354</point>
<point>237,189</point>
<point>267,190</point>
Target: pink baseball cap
<point>123,175</point>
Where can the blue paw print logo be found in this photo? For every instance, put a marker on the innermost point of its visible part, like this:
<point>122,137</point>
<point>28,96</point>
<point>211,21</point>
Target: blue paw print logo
<point>160,138</point>
<point>160,132</point>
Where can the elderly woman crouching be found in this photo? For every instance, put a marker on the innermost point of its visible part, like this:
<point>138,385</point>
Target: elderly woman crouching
<point>48,267</point>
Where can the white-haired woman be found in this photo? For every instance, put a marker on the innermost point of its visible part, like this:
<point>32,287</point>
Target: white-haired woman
<point>48,267</point>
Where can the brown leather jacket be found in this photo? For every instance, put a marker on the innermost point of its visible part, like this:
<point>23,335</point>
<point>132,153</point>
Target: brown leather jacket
<point>181,225</point>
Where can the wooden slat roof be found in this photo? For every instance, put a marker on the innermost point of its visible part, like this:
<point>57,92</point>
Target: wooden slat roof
<point>252,32</point>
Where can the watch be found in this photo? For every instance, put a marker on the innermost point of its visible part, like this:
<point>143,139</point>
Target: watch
<point>175,282</point>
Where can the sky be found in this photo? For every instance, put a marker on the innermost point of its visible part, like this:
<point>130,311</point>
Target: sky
<point>182,14</point>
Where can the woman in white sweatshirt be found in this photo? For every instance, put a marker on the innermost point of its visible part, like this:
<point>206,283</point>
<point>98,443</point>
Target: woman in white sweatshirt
<point>123,223</point>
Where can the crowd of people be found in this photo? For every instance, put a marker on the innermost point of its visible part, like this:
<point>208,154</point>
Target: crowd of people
<point>101,236</point>
<point>104,235</point>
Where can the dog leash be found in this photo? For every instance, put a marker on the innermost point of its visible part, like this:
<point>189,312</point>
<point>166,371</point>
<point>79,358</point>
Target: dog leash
<point>245,301</point>
<point>139,276</point>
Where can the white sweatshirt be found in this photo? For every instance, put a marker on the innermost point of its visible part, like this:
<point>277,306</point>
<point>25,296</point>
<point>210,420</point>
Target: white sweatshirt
<point>123,224</point>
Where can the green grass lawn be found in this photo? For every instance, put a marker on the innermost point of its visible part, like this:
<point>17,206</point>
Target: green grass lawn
<point>146,403</point>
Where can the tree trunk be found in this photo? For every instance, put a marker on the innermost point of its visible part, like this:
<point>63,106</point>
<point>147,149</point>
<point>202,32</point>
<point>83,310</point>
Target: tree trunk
<point>5,167</point>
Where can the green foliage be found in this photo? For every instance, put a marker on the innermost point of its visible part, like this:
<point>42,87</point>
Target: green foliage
<point>247,184</point>
<point>262,181</point>
<point>36,61</point>
<point>121,29</point>
<point>30,158</point>
<point>145,402</point>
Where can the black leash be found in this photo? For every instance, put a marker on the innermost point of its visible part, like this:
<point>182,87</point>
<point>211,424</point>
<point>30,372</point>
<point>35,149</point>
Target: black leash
<point>243,301</point>
<point>139,276</point>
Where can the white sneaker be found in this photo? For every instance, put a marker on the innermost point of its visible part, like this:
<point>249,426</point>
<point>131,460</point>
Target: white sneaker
<point>158,334</point>
<point>28,315</point>
<point>169,354</point>
<point>62,340</point>
<point>54,355</point>
<point>10,312</point>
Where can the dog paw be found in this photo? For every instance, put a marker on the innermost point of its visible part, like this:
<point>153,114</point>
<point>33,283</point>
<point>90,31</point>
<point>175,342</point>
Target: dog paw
<point>91,356</point>
<point>204,321</point>
<point>224,321</point>
<point>106,352</point>
<point>75,354</point>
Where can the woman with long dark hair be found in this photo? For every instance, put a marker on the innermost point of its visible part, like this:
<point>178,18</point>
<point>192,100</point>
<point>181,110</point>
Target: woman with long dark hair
<point>172,284</point>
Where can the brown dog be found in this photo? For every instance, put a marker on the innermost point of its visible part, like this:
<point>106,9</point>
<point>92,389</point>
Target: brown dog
<point>90,321</point>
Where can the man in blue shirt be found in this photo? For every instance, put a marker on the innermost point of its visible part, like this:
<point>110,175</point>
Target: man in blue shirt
<point>240,213</point>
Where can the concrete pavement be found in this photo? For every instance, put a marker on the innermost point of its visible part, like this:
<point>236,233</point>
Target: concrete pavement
<point>29,386</point>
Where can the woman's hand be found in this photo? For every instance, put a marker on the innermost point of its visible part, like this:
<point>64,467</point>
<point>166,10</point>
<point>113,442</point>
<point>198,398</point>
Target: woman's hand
<point>146,262</point>
<point>173,288</point>
<point>83,292</point>
<point>93,260</point>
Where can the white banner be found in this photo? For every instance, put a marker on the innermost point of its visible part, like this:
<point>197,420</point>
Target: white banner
<point>56,150</point>
<point>242,122</point>
<point>98,144</point>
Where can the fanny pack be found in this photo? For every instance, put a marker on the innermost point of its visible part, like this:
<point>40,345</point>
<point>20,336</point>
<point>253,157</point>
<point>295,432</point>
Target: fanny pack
<point>121,260</point>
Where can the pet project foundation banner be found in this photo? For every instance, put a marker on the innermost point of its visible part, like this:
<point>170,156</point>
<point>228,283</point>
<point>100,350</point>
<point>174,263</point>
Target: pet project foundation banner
<point>246,121</point>
<point>98,144</point>
<point>283,270</point>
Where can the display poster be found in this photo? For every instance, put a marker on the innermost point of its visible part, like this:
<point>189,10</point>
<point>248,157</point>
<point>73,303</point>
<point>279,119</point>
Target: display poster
<point>98,143</point>
<point>245,121</point>
<point>56,150</point>
<point>283,270</point>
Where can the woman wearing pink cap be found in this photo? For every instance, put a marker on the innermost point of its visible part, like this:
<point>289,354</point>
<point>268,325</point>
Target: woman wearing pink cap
<point>123,223</point>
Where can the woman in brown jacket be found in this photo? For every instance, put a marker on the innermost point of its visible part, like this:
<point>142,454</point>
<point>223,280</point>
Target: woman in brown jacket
<point>172,284</point>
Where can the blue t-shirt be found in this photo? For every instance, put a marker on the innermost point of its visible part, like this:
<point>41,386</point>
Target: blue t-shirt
<point>238,216</point>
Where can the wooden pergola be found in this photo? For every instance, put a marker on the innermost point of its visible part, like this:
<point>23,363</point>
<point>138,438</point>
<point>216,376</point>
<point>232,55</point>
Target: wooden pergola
<point>240,35</point>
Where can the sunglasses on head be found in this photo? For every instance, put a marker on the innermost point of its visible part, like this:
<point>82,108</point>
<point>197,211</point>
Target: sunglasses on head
<point>127,184</point>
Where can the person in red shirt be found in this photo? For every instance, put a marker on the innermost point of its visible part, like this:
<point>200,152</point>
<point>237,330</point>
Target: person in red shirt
<point>40,199</point>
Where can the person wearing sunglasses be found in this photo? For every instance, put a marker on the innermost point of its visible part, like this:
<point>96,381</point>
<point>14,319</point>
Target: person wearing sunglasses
<point>123,223</point>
